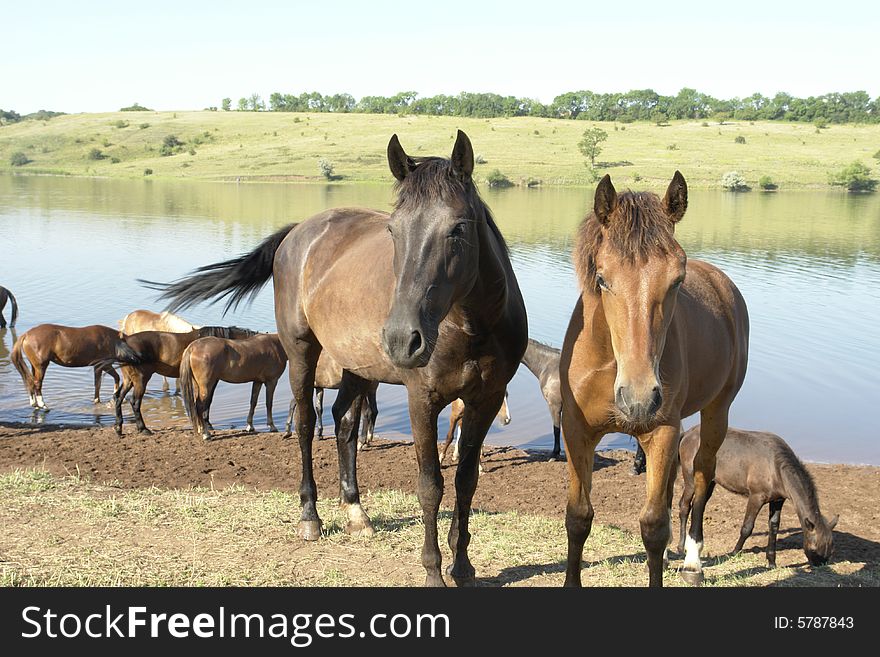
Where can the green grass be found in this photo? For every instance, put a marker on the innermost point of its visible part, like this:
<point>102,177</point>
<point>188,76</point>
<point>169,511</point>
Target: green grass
<point>288,146</point>
<point>71,532</point>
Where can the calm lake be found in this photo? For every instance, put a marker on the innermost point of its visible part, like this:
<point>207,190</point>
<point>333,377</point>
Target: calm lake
<point>808,264</point>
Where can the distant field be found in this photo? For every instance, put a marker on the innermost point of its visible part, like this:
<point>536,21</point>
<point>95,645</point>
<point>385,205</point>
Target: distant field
<point>288,146</point>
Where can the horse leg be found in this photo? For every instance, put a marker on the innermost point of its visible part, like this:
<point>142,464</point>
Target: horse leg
<point>165,386</point>
<point>137,396</point>
<point>580,446</point>
<point>639,461</point>
<point>685,503</point>
<point>752,508</point>
<point>423,413</point>
<point>39,375</point>
<point>113,375</point>
<point>119,395</point>
<point>255,397</point>
<point>209,399</point>
<point>287,425</point>
<point>775,516</point>
<point>453,423</point>
<point>713,429</point>
<point>319,411</point>
<point>346,415</point>
<point>270,396</point>
<point>370,411</point>
<point>556,415</point>
<point>303,355</point>
<point>98,373</point>
<point>660,448</point>
<point>475,423</point>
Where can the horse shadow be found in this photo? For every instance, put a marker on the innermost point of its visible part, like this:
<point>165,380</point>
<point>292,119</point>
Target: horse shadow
<point>513,457</point>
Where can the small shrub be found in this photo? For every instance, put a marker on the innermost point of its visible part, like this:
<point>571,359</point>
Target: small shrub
<point>498,179</point>
<point>672,147</point>
<point>877,155</point>
<point>114,160</point>
<point>19,159</point>
<point>171,145</point>
<point>733,181</point>
<point>532,182</point>
<point>296,119</point>
<point>704,124</point>
<point>120,124</point>
<point>820,122</point>
<point>739,139</point>
<point>96,154</point>
<point>107,143</point>
<point>637,177</point>
<point>148,172</point>
<point>192,151</point>
<point>136,108</point>
<point>766,183</point>
<point>856,178</point>
<point>536,132</point>
<point>144,126</point>
<point>326,168</point>
<point>479,159</point>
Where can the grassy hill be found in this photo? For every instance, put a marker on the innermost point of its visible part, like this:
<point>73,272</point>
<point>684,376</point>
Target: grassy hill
<point>289,146</point>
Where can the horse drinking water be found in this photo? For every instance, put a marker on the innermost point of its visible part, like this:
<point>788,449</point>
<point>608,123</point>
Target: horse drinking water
<point>146,320</point>
<point>425,297</point>
<point>542,360</point>
<point>654,337</point>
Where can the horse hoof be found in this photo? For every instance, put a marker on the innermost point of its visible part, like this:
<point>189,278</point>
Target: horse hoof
<point>309,530</point>
<point>118,431</point>
<point>467,577</point>
<point>145,432</point>
<point>250,429</point>
<point>435,581</point>
<point>207,437</point>
<point>359,529</point>
<point>273,428</point>
<point>555,456</point>
<point>286,435</point>
<point>692,577</point>
<point>97,400</point>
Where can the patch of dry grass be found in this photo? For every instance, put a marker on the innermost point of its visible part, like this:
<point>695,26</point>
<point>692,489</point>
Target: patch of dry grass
<point>72,532</point>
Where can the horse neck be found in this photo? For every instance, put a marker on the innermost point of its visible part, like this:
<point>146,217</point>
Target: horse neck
<point>800,491</point>
<point>539,359</point>
<point>486,302</point>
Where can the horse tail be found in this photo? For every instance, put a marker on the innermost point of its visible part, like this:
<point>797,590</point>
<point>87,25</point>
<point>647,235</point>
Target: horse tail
<point>185,384</point>
<point>14,308</point>
<point>123,353</point>
<point>18,361</point>
<point>239,279</point>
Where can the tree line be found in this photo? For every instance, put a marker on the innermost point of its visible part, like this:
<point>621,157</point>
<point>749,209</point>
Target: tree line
<point>636,105</point>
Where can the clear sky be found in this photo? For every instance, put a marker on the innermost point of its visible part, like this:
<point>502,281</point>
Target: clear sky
<point>100,56</point>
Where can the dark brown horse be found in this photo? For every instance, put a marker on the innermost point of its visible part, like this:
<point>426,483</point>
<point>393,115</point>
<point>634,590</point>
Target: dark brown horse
<point>6,295</point>
<point>654,337</point>
<point>542,360</point>
<point>764,468</point>
<point>259,359</point>
<point>67,346</point>
<point>156,352</point>
<point>328,375</point>
<point>425,297</point>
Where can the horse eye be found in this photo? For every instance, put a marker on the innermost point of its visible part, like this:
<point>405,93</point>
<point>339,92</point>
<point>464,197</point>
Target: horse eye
<point>601,282</point>
<point>388,228</point>
<point>458,230</point>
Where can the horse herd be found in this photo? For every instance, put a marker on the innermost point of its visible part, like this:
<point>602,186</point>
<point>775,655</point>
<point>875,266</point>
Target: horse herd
<point>426,297</point>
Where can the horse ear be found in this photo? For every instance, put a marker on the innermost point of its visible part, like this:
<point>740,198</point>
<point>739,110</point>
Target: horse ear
<point>462,157</point>
<point>675,203</point>
<point>605,201</point>
<point>833,523</point>
<point>399,162</point>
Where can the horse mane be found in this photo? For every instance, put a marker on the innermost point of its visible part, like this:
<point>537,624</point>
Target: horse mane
<point>543,346</point>
<point>227,332</point>
<point>174,321</point>
<point>638,228</point>
<point>433,180</point>
<point>785,459</point>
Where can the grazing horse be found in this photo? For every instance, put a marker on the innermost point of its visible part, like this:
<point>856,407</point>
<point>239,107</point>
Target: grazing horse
<point>67,346</point>
<point>454,432</point>
<point>4,296</point>
<point>328,375</point>
<point>157,352</point>
<point>146,320</point>
<point>206,361</point>
<point>764,468</point>
<point>654,337</point>
<point>425,297</point>
<point>543,361</point>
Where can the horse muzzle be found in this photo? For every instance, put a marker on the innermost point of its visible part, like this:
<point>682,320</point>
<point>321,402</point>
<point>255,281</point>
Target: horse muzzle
<point>640,409</point>
<point>406,345</point>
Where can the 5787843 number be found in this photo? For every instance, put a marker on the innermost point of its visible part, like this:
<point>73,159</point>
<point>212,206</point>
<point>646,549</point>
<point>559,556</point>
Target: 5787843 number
<point>813,623</point>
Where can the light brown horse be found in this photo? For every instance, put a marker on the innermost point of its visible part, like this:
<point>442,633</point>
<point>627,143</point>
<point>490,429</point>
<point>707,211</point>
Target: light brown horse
<point>454,433</point>
<point>156,352</point>
<point>259,359</point>
<point>425,297</point>
<point>67,346</point>
<point>146,320</point>
<point>654,338</point>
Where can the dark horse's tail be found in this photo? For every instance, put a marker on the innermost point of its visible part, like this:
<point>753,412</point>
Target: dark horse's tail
<point>18,361</point>
<point>14,308</point>
<point>239,279</point>
<point>185,383</point>
<point>123,353</point>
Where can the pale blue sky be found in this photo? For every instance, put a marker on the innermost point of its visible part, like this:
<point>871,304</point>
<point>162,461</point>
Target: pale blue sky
<point>189,55</point>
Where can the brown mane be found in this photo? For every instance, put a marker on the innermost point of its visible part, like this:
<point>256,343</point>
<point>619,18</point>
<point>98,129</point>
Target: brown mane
<point>638,228</point>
